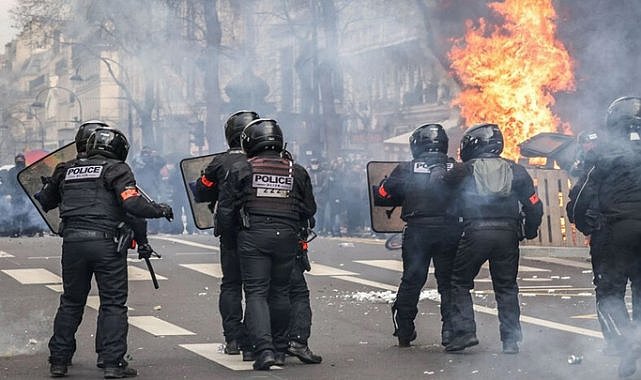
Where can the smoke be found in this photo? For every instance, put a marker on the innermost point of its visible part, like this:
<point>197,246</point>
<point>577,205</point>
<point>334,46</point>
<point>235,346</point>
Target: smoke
<point>603,39</point>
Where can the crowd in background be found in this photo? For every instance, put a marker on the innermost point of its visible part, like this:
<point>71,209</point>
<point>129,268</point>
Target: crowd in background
<point>339,188</point>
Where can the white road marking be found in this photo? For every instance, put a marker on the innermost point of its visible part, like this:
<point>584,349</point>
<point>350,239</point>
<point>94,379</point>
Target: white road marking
<point>566,262</point>
<point>42,257</point>
<point>93,302</point>
<point>33,276</point>
<point>186,242</point>
<point>397,265</point>
<point>213,352</point>
<point>139,274</point>
<point>55,288</point>
<point>491,311</point>
<point>362,281</point>
<point>157,326</point>
<point>5,254</point>
<point>584,316</point>
<point>210,269</point>
<point>324,270</point>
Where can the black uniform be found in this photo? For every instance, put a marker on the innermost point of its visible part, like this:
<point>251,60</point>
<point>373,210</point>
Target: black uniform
<point>606,203</point>
<point>431,234</point>
<point>489,195</point>
<point>273,198</point>
<point>231,288</point>
<point>93,195</point>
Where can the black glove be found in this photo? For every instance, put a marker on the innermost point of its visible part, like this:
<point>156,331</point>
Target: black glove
<point>531,233</point>
<point>166,211</point>
<point>144,251</point>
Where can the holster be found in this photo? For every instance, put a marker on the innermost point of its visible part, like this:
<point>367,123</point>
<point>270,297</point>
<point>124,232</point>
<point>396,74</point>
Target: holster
<point>520,232</point>
<point>244,218</point>
<point>124,237</point>
<point>304,260</point>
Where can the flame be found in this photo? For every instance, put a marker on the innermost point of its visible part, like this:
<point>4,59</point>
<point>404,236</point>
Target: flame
<point>509,72</point>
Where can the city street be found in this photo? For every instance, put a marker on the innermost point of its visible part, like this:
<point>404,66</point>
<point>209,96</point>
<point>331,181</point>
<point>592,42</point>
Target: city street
<point>175,331</point>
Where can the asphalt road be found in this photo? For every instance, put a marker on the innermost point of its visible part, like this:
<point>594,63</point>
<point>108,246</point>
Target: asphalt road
<point>175,332</point>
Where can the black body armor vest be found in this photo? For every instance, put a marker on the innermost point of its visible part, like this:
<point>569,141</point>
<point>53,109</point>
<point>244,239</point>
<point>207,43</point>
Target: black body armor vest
<point>87,203</point>
<point>426,196</point>
<point>272,191</point>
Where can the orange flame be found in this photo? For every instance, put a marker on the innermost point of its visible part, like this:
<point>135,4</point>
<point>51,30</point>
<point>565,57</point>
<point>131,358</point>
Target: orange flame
<point>510,71</point>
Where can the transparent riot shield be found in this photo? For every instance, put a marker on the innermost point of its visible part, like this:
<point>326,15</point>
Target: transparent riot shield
<point>30,180</point>
<point>191,169</point>
<point>385,217</point>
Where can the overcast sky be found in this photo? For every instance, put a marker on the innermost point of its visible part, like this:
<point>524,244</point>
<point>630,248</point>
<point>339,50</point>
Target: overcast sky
<point>6,31</point>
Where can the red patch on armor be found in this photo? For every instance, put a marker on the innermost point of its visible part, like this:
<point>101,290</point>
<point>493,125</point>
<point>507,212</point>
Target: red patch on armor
<point>534,199</point>
<point>128,193</point>
<point>382,192</point>
<point>206,182</point>
<point>303,245</point>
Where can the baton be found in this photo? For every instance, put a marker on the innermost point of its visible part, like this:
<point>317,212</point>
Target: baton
<point>152,273</point>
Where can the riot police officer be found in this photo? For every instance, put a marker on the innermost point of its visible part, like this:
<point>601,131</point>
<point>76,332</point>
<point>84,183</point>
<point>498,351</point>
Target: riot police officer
<point>49,198</point>
<point>490,191</point>
<point>206,189</point>
<point>432,231</point>
<point>606,203</point>
<point>300,320</point>
<point>94,196</point>
<point>272,196</point>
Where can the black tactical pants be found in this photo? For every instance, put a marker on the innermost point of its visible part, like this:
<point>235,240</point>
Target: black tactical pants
<point>501,248</point>
<point>80,261</point>
<point>267,252</point>
<point>422,244</point>
<point>231,292</point>
<point>619,245</point>
<point>300,321</point>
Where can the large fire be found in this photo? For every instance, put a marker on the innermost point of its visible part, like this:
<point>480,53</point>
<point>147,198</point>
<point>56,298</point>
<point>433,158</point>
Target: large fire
<point>510,71</point>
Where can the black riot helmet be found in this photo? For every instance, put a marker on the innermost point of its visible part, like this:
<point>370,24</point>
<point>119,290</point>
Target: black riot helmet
<point>108,142</point>
<point>481,138</point>
<point>235,124</point>
<point>623,118</point>
<point>261,135</point>
<point>84,131</point>
<point>428,138</point>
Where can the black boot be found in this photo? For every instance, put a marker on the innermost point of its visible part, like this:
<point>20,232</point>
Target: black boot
<point>302,352</point>
<point>279,358</point>
<point>404,341</point>
<point>462,342</point>
<point>232,348</point>
<point>58,370</point>
<point>248,356</point>
<point>446,337</point>
<point>120,372</point>
<point>265,360</point>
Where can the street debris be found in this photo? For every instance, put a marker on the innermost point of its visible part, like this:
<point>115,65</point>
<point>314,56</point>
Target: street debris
<point>575,359</point>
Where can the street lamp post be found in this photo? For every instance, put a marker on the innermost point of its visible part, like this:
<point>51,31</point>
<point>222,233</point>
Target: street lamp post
<point>38,104</point>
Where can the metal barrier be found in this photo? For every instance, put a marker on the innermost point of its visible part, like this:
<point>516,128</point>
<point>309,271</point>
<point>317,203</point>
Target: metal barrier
<point>553,187</point>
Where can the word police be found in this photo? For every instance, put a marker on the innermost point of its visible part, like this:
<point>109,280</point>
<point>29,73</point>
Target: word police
<point>270,181</point>
<point>83,172</point>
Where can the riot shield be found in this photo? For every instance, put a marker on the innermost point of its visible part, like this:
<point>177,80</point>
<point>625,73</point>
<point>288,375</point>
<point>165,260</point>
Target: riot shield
<point>191,169</point>
<point>384,217</point>
<point>29,179</point>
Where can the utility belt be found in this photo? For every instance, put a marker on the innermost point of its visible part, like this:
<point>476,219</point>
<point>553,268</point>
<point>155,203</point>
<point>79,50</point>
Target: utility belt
<point>250,220</point>
<point>492,224</point>
<point>70,235</point>
<point>429,220</point>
